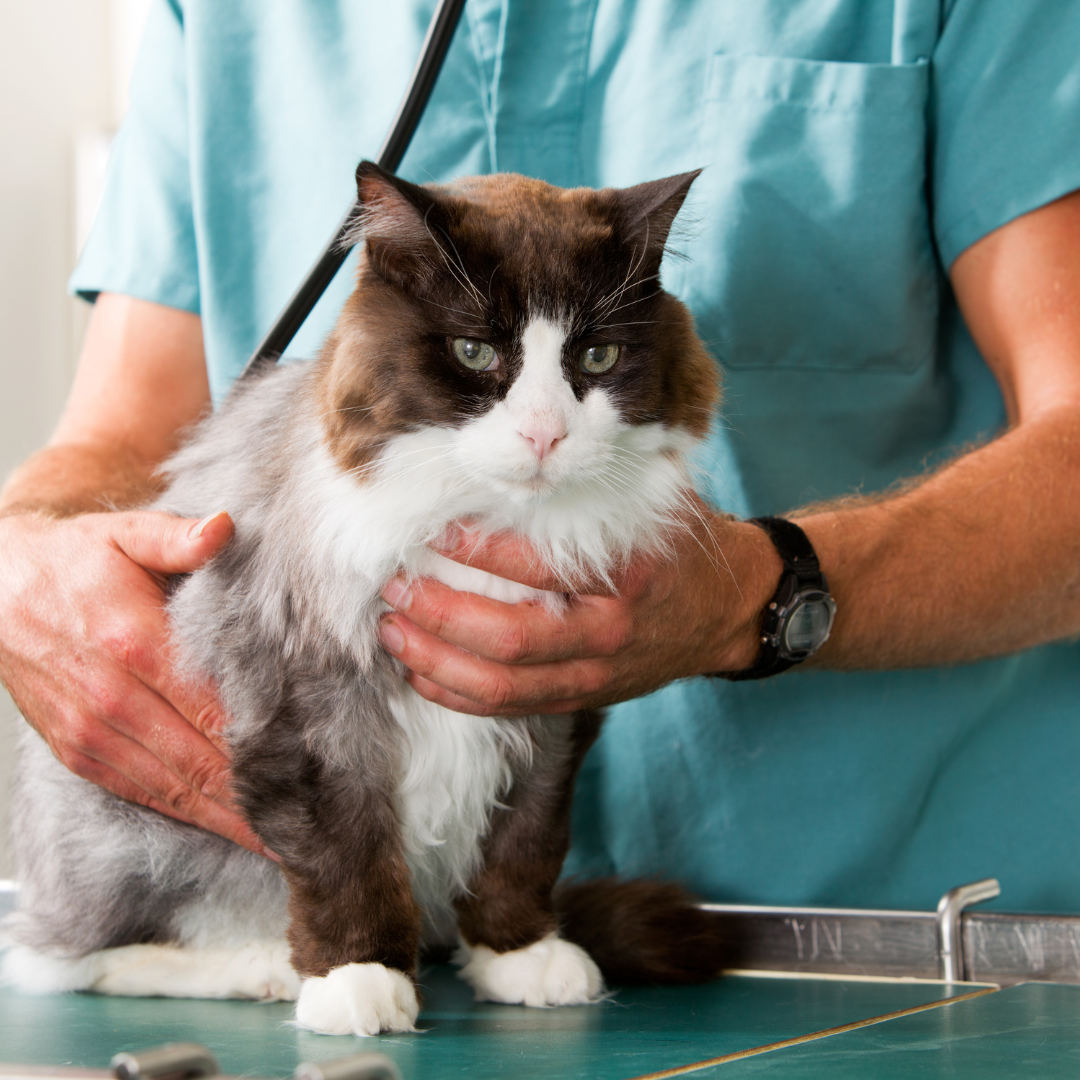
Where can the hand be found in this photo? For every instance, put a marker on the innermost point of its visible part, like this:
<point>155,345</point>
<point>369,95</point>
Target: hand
<point>691,610</point>
<point>84,652</point>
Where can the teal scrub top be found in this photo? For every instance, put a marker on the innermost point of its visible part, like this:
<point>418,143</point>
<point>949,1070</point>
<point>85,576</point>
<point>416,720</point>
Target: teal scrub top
<point>851,150</point>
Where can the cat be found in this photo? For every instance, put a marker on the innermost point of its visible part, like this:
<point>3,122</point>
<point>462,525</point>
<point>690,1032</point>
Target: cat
<point>509,358</point>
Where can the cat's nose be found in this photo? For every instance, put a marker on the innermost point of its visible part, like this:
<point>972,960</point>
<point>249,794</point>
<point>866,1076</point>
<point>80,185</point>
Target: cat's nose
<point>542,437</point>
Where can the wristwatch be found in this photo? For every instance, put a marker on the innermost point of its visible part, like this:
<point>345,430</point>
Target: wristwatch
<point>799,618</point>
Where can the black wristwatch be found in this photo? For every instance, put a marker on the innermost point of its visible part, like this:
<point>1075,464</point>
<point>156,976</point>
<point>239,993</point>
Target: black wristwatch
<point>799,618</point>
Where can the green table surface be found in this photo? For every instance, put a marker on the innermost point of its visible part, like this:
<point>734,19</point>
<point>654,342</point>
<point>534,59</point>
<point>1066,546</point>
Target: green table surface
<point>636,1033</point>
<point>1030,1031</point>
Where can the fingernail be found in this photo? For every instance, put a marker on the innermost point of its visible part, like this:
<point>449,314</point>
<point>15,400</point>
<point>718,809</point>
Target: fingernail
<point>398,595</point>
<point>196,530</point>
<point>449,539</point>
<point>271,855</point>
<point>392,638</point>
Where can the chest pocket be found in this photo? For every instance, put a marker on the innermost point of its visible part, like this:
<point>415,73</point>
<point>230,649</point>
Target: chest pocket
<point>812,248</point>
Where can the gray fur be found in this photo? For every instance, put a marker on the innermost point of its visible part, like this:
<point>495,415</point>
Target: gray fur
<point>285,619</point>
<point>99,872</point>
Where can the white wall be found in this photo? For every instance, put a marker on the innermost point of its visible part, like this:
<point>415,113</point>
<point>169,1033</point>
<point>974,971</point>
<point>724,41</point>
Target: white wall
<point>64,69</point>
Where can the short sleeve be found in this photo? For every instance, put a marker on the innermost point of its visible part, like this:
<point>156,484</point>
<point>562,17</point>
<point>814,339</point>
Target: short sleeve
<point>142,242</point>
<point>1005,114</point>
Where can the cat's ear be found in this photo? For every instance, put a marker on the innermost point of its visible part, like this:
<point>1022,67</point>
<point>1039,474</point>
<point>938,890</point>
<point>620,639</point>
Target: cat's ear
<point>396,221</point>
<point>649,210</point>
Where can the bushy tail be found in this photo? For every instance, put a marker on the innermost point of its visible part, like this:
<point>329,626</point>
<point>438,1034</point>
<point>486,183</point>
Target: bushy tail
<point>642,931</point>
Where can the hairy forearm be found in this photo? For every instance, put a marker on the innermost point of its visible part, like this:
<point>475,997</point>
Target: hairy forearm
<point>141,381</point>
<point>77,478</point>
<point>980,559</point>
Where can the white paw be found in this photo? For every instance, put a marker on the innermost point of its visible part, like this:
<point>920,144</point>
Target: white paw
<point>548,972</point>
<point>358,999</point>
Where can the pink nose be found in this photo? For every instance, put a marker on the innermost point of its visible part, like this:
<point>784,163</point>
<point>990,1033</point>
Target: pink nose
<point>542,437</point>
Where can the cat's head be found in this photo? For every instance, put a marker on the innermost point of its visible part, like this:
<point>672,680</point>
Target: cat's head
<point>520,328</point>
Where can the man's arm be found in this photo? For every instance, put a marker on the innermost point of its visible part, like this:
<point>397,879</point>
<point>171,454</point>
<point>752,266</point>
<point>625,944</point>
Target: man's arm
<point>983,557</point>
<point>83,639</point>
<point>141,380</point>
<point>979,559</point>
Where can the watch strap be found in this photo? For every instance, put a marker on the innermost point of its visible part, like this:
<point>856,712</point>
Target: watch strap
<point>794,547</point>
<point>801,564</point>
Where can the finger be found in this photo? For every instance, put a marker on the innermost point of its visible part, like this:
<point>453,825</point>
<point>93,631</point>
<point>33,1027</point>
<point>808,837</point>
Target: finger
<point>121,765</point>
<point>512,633</point>
<point>510,556</point>
<point>165,544</point>
<point>438,695</point>
<point>138,642</point>
<point>499,689</point>
<point>142,716</point>
<point>198,704</point>
<point>196,700</point>
<point>138,638</point>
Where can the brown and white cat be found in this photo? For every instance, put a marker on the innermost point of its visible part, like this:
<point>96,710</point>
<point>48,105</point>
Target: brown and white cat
<point>508,357</point>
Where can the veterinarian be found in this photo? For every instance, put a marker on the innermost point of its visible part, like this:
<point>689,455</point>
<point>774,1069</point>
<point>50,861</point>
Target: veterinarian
<point>884,255</point>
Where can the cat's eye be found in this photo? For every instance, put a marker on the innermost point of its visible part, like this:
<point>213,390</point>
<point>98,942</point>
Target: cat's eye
<point>475,355</point>
<point>598,358</point>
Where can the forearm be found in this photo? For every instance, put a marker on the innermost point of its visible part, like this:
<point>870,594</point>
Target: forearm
<point>141,381</point>
<point>75,478</point>
<point>981,559</point>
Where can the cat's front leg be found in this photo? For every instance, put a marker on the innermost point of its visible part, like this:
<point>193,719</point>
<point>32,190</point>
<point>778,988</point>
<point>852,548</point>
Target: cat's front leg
<point>354,925</point>
<point>511,950</point>
<point>354,932</point>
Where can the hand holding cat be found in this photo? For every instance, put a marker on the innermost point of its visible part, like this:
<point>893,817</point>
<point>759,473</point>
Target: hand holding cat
<point>691,610</point>
<point>85,656</point>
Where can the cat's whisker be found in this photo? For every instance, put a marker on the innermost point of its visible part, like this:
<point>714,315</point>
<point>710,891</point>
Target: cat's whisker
<point>350,409</point>
<point>398,475</point>
<point>387,465</point>
<point>716,557</point>
<point>607,313</point>
<point>462,277</point>
<point>381,462</point>
<point>628,281</point>
<point>455,311</point>
<point>619,325</point>
<point>623,285</point>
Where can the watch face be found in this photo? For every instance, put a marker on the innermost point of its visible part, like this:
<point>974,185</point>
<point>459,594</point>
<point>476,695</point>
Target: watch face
<point>808,624</point>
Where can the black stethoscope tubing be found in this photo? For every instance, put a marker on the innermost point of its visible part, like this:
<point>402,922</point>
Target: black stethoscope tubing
<point>436,43</point>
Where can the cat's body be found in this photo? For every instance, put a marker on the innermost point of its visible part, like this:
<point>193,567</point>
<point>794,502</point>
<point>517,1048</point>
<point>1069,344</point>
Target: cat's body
<point>398,821</point>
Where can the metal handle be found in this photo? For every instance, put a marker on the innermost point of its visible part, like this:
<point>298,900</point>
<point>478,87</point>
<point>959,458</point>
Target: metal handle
<point>950,908</point>
<point>185,1061</point>
<point>354,1067</point>
<point>180,1060</point>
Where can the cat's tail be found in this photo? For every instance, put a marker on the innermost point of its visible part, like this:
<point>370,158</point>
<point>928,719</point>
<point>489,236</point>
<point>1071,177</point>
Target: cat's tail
<point>643,931</point>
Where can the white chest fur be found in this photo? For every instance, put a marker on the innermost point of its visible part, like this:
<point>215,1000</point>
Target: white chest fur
<point>454,769</point>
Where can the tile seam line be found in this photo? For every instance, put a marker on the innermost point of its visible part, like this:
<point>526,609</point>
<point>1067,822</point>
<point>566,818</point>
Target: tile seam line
<point>738,1055</point>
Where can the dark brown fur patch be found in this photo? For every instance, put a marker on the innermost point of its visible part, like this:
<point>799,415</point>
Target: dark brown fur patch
<point>479,259</point>
<point>339,839</point>
<point>509,902</point>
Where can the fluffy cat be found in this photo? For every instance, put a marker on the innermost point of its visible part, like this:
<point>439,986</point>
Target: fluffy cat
<point>508,357</point>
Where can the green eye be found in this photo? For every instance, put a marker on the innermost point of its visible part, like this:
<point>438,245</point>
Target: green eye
<point>598,359</point>
<point>475,355</point>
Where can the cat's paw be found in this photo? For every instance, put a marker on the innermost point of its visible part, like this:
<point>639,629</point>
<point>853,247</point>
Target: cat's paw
<point>548,972</point>
<point>358,999</point>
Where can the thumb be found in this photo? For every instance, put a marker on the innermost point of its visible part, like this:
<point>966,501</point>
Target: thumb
<point>164,544</point>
